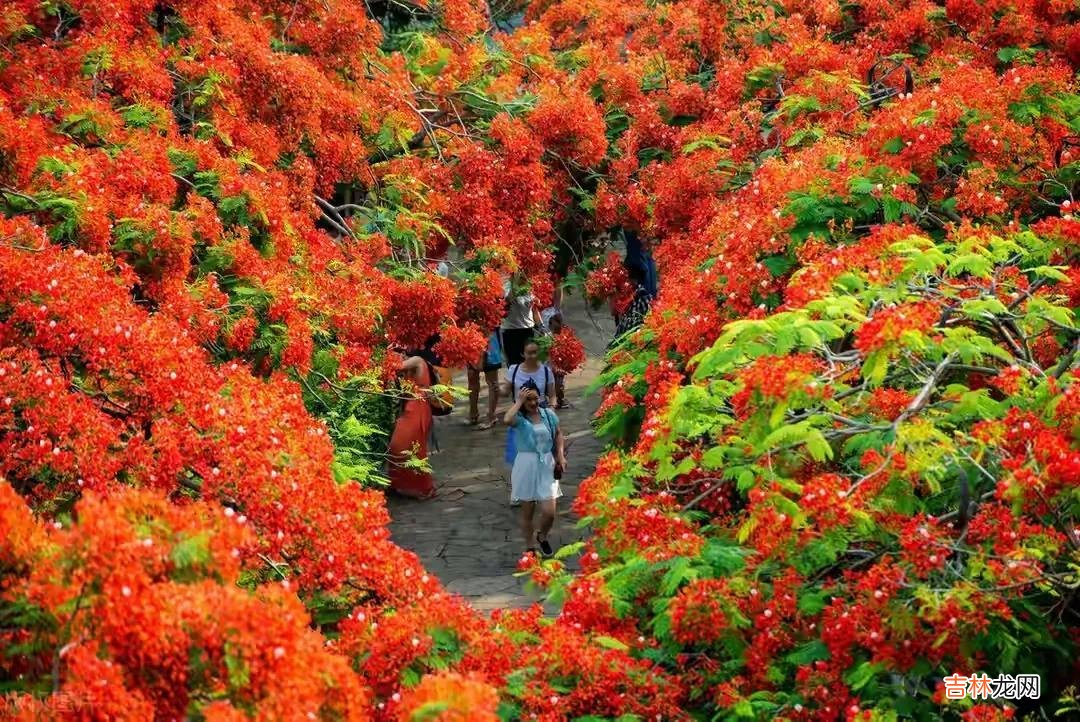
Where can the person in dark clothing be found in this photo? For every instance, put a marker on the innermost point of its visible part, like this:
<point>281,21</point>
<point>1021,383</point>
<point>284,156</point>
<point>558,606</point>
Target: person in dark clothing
<point>635,314</point>
<point>636,255</point>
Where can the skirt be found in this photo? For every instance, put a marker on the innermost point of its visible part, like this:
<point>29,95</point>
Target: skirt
<point>533,478</point>
<point>410,439</point>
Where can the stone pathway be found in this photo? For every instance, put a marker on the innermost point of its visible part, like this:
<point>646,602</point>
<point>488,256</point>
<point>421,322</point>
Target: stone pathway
<point>469,536</point>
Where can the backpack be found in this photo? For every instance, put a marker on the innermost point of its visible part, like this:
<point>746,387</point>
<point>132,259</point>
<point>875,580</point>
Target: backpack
<point>441,404</point>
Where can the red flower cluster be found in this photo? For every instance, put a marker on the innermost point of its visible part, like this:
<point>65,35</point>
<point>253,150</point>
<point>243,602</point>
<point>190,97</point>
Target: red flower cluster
<point>142,583</point>
<point>886,328</point>
<point>770,380</point>
<point>566,353</point>
<point>450,697</point>
<point>570,125</point>
<point>610,282</point>
<point>480,301</point>
<point>417,309</point>
<point>460,346</point>
<point>888,403</point>
<point>698,613</point>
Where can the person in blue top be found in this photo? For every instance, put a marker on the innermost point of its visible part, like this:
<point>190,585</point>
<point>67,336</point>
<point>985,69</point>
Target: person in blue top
<point>538,464</point>
<point>543,379</point>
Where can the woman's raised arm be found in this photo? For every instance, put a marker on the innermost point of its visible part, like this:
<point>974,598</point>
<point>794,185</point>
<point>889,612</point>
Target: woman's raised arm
<point>510,417</point>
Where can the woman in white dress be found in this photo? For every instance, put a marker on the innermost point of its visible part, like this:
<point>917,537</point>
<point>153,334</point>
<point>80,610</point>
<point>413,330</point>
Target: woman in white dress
<point>538,465</point>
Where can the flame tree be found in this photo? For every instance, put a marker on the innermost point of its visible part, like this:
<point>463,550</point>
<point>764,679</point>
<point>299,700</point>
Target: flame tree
<point>845,446</point>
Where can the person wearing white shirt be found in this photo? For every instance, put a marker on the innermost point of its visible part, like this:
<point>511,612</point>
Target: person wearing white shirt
<point>519,325</point>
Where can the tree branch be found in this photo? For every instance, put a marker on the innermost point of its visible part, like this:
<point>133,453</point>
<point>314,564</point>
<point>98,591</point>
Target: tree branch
<point>923,396</point>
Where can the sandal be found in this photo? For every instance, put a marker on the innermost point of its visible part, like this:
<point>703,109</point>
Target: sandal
<point>471,422</point>
<point>545,546</point>
<point>486,425</point>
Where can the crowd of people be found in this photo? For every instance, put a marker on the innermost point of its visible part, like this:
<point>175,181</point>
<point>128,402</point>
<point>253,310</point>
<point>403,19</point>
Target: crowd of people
<point>535,446</point>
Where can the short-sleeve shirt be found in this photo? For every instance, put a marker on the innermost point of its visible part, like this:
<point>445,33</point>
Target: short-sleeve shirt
<point>519,313</point>
<point>542,377</point>
<point>547,314</point>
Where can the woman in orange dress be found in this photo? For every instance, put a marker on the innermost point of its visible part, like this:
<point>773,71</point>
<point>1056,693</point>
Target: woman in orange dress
<point>410,438</point>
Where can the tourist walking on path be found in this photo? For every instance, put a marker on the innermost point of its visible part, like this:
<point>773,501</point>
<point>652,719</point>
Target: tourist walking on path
<point>489,364</point>
<point>542,379</point>
<point>538,465</point>
<point>519,324</point>
<point>554,324</point>
<point>409,441</point>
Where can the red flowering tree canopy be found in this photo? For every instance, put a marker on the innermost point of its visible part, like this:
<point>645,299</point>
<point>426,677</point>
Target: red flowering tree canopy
<point>845,452</point>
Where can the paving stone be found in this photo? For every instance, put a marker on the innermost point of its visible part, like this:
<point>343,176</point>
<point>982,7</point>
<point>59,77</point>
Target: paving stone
<point>482,488</point>
<point>581,433</point>
<point>481,586</point>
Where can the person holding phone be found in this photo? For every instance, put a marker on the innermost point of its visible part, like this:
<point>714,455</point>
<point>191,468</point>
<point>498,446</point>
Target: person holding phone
<point>538,465</point>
